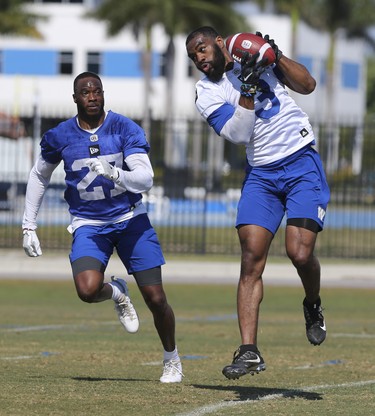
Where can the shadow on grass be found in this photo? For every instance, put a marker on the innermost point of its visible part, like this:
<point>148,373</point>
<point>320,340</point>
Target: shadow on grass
<point>261,393</point>
<point>108,379</point>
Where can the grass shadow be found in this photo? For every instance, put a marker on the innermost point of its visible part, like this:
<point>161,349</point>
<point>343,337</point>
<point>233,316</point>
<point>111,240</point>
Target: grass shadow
<point>96,379</point>
<point>245,393</point>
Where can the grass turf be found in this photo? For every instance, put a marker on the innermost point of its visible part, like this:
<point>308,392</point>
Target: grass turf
<point>60,356</point>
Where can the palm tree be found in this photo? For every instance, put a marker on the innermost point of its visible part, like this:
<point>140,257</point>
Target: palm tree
<point>15,20</point>
<point>177,17</point>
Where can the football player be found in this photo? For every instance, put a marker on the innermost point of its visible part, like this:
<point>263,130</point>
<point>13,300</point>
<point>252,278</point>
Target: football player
<point>105,157</point>
<point>247,103</point>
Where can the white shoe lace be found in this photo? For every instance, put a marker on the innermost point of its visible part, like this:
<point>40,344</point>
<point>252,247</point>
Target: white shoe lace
<point>127,315</point>
<point>172,372</point>
<point>127,309</point>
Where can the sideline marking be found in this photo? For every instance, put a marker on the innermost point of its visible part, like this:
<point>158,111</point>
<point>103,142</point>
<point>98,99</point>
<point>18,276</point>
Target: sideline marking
<point>343,335</point>
<point>205,410</point>
<point>28,357</point>
<point>311,366</point>
<point>54,327</point>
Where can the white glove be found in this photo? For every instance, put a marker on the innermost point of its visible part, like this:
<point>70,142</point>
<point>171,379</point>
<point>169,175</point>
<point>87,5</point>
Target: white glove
<point>104,168</point>
<point>31,243</point>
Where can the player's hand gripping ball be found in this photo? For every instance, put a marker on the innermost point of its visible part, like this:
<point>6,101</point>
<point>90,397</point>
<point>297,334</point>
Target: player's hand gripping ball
<point>241,43</point>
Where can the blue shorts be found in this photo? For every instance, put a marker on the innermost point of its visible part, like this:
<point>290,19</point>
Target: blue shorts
<point>295,185</point>
<point>135,240</point>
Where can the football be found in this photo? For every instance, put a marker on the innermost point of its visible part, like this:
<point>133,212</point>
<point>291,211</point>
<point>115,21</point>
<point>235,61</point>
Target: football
<point>240,43</point>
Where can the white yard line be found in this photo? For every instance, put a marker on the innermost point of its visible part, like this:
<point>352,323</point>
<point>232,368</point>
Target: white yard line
<point>206,410</point>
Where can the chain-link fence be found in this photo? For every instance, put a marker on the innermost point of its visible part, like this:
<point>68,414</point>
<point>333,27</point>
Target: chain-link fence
<point>193,202</point>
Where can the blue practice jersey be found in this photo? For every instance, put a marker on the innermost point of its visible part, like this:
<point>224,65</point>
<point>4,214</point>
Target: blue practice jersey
<point>89,195</point>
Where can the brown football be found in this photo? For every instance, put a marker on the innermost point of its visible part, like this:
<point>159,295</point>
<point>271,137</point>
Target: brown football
<point>241,43</point>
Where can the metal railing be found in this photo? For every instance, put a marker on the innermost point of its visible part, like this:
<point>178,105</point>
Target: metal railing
<point>193,203</point>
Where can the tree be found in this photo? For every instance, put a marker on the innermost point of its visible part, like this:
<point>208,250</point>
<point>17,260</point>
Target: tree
<point>371,87</point>
<point>176,16</point>
<point>15,20</point>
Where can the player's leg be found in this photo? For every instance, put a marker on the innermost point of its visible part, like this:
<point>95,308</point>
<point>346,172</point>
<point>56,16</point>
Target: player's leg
<point>259,216</point>
<point>300,243</point>
<point>88,274</point>
<point>150,285</point>
<point>164,321</point>
<point>255,242</point>
<point>140,251</point>
<point>306,204</point>
<point>89,257</point>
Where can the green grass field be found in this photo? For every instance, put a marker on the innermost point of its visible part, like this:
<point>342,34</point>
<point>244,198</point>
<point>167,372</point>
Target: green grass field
<point>59,356</point>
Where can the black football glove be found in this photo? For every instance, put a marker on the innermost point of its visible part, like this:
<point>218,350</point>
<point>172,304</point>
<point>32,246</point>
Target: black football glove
<point>273,45</point>
<point>250,73</point>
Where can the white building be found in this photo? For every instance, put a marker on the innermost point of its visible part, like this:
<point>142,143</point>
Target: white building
<point>42,71</point>
<point>36,77</point>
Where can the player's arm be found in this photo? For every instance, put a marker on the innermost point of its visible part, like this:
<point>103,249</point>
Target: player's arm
<point>239,128</point>
<point>291,73</point>
<point>140,176</point>
<point>138,179</point>
<point>39,178</point>
<point>295,76</point>
<point>238,125</point>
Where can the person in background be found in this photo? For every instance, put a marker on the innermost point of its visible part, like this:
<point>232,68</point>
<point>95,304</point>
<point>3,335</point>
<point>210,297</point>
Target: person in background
<point>105,157</point>
<point>248,104</point>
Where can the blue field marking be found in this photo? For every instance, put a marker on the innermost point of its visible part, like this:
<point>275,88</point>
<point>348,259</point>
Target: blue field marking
<point>324,364</point>
<point>193,357</point>
<point>29,357</point>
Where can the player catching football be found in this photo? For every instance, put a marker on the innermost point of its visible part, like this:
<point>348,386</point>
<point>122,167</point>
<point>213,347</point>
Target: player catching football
<point>246,103</point>
<point>105,157</point>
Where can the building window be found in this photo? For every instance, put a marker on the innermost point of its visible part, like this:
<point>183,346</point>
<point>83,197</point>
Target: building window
<point>66,62</point>
<point>350,75</point>
<point>94,62</point>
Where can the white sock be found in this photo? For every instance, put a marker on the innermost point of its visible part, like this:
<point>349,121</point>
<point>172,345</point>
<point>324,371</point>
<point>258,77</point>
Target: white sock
<point>117,295</point>
<point>171,355</point>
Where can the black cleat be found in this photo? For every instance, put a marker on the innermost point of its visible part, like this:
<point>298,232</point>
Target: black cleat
<point>315,324</point>
<point>246,359</point>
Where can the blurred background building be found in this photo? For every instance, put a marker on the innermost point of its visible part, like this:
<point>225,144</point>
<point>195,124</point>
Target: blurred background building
<point>40,71</point>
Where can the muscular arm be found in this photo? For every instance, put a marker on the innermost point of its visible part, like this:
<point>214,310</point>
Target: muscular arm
<point>295,76</point>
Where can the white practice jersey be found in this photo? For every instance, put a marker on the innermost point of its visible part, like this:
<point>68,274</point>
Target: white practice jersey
<point>281,127</point>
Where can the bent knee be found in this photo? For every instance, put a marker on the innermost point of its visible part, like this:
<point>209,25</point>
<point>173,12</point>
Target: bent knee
<point>87,292</point>
<point>300,258</point>
<point>87,295</point>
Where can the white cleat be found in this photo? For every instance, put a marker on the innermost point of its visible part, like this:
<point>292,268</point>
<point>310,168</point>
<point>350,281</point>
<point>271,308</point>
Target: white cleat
<point>125,310</point>
<point>172,372</point>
